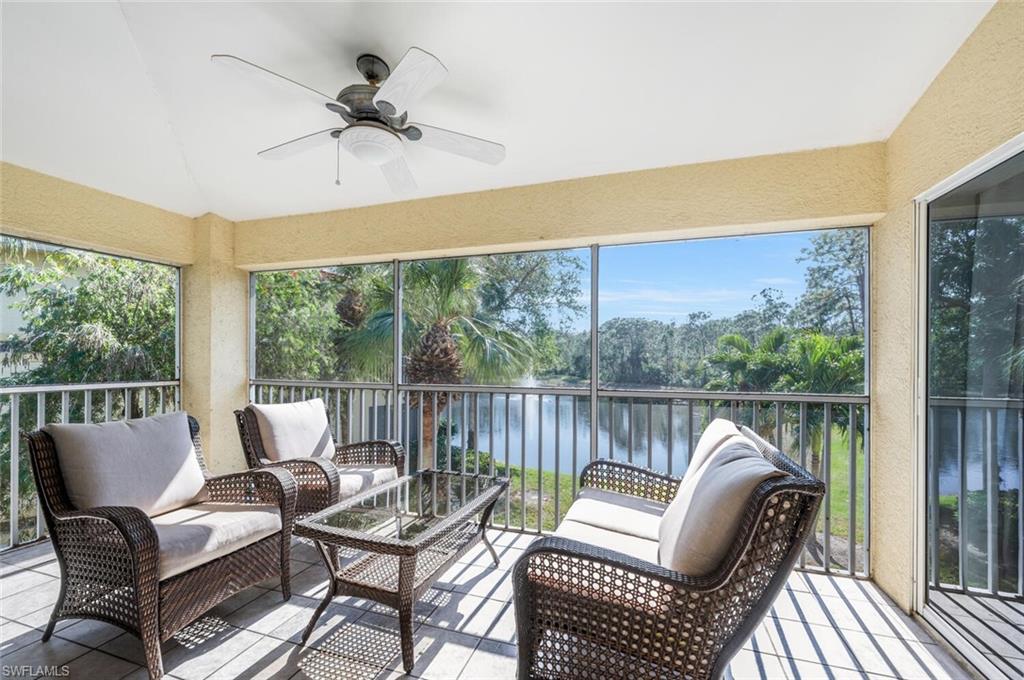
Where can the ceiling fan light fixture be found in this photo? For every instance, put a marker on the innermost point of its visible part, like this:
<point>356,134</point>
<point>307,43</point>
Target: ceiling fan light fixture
<point>371,144</point>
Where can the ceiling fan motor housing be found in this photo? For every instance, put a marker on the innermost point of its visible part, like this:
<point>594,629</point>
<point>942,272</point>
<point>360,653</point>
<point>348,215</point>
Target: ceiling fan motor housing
<point>371,143</point>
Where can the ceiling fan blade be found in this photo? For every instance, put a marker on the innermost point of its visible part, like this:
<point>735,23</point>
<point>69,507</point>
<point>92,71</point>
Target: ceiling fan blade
<point>417,73</point>
<point>251,69</point>
<point>456,143</point>
<point>399,178</point>
<point>298,145</point>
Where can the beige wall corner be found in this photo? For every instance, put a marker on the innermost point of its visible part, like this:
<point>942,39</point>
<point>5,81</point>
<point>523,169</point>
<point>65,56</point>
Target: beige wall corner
<point>38,206</point>
<point>215,302</point>
<point>975,104</point>
<point>826,187</point>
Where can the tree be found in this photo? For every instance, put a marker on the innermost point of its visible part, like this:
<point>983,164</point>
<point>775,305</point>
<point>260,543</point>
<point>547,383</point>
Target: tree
<point>447,336</point>
<point>834,300</point>
<point>87,317</point>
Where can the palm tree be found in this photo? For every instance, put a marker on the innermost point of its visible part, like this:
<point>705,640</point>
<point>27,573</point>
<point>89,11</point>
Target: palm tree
<point>446,340</point>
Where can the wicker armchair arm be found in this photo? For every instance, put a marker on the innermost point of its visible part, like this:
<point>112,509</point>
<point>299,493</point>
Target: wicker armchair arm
<point>109,543</point>
<point>612,475</point>
<point>269,486</point>
<point>131,524</point>
<point>320,469</point>
<point>372,452</point>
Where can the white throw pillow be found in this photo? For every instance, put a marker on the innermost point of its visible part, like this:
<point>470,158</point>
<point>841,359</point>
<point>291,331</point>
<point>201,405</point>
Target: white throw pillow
<point>148,463</point>
<point>296,430</point>
<point>702,522</point>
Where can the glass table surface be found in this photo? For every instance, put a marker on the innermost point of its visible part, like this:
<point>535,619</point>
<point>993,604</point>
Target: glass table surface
<point>405,509</point>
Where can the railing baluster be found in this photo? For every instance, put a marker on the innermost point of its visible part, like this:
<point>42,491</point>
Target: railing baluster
<point>126,412</point>
<point>753,420</point>
<point>961,454</point>
<point>932,472</point>
<point>375,429</point>
<point>15,468</point>
<point>826,467</point>
<point>490,432</point>
<point>803,463</point>
<point>629,430</point>
<point>575,418</point>
<point>508,470</point>
<point>611,428</point>
<point>991,477</point>
<point>540,463</point>
<point>671,432</point>
<point>779,417</point>
<point>87,416</point>
<point>558,433</point>
<point>650,433</point>
<point>852,491</point>
<point>107,405</point>
<point>522,467</point>
<point>689,432</point>
<point>464,416</point>
<point>1020,500</point>
<point>866,498</point>
<point>40,423</point>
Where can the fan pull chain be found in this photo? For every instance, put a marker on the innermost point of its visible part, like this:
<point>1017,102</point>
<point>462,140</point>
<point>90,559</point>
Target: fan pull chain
<point>337,174</point>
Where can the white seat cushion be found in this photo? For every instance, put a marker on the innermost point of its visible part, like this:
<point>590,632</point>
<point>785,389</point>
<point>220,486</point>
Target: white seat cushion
<point>201,533</point>
<point>637,547</point>
<point>148,463</point>
<point>617,512</point>
<point>357,478</point>
<point>702,521</point>
<point>296,430</point>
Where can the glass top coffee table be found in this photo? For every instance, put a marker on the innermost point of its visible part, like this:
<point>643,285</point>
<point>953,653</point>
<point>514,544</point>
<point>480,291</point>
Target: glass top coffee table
<point>407,532</point>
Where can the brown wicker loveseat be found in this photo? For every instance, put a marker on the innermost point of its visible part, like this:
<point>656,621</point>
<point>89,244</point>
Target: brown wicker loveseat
<point>332,472</point>
<point>152,571</point>
<point>590,604</point>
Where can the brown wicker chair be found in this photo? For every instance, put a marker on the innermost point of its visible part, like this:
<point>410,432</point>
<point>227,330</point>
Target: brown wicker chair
<point>317,478</point>
<point>109,556</point>
<point>588,612</point>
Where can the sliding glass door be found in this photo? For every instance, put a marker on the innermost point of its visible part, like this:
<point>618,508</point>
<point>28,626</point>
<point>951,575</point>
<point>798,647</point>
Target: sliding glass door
<point>975,426</point>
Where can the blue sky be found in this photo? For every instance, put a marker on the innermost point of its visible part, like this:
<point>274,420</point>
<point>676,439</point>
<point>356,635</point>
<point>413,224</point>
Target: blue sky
<point>668,281</point>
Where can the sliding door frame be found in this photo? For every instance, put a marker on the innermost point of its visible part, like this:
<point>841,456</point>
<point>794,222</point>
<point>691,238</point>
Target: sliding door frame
<point>957,641</point>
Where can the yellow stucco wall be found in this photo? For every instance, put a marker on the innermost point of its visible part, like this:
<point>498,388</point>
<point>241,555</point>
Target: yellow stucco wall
<point>215,304</point>
<point>38,206</point>
<point>827,187</point>
<point>975,104</point>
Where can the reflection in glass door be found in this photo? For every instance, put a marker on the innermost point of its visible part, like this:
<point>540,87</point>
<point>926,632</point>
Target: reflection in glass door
<point>975,425</point>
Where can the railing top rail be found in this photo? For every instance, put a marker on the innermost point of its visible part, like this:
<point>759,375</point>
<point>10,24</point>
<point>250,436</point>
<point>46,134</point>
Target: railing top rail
<point>278,382</point>
<point>583,391</point>
<point>707,395</point>
<point>997,402</point>
<point>85,387</point>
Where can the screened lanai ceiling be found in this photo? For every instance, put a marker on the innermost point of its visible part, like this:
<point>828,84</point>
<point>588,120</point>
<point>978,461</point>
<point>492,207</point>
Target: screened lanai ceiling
<point>123,97</point>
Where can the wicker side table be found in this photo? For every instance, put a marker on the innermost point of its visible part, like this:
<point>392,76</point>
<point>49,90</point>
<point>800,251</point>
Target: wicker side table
<point>408,532</point>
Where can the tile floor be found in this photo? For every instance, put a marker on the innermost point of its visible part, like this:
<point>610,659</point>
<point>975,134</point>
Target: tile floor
<point>820,627</point>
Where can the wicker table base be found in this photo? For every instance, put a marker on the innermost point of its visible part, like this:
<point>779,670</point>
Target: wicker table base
<point>407,533</point>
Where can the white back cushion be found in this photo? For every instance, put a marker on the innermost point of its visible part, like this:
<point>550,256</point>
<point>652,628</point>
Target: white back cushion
<point>702,521</point>
<point>296,430</point>
<point>148,463</point>
<point>715,434</point>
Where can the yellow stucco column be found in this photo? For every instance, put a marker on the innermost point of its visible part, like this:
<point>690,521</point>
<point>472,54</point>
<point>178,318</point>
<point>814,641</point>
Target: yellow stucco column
<point>975,104</point>
<point>215,300</point>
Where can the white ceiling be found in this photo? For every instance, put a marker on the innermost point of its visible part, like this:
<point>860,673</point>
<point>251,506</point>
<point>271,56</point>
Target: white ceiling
<point>123,97</point>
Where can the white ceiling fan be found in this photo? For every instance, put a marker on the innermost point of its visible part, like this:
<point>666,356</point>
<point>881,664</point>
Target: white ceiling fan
<point>376,116</point>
